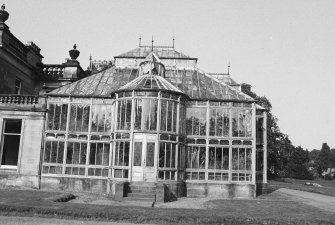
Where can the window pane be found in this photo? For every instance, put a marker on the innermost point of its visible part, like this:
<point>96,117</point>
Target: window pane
<point>128,115</point>
<point>242,159</point>
<point>202,157</point>
<point>196,121</point>
<point>100,153</point>
<point>101,118</point>
<point>203,120</point>
<point>174,117</point>
<point>169,116</point>
<point>235,158</point>
<point>10,151</point>
<point>218,157</point>
<point>47,150</point>
<point>93,152</point>
<point>195,157</point>
<point>138,154</point>
<point>226,124</point>
<point>259,131</point>
<point>211,158</point>
<point>150,154</point>
<point>54,146</point>
<point>51,116</point>
<point>225,158</point>
<point>163,115</point>
<point>122,154</point>
<point>79,118</point>
<point>173,156</point>
<point>138,114</point>
<point>214,120</point>
<point>248,159</point>
<point>168,155</point>
<point>76,153</point>
<point>241,123</point>
<point>161,160</point>
<point>153,114</point>
<point>57,117</point>
<point>13,126</point>
<point>234,117</point>
<point>248,121</point>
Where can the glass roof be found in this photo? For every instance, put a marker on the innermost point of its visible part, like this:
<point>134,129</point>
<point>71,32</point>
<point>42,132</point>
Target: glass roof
<point>192,82</point>
<point>160,51</point>
<point>149,82</point>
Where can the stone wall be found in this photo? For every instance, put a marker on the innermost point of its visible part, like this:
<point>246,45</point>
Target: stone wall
<point>218,191</point>
<point>26,174</point>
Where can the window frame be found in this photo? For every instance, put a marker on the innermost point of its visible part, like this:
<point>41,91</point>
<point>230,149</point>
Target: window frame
<point>2,138</point>
<point>18,89</point>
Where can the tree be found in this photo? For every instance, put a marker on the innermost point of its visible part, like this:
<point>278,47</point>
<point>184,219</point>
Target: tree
<point>279,145</point>
<point>324,160</point>
<point>298,164</point>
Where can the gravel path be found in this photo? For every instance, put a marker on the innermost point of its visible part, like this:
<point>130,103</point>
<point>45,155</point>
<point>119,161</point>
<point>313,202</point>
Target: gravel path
<point>317,200</point>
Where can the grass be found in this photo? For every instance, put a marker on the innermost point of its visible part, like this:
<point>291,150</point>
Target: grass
<point>259,211</point>
<point>328,186</point>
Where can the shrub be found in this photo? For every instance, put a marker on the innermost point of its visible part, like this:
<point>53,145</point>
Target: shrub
<point>328,177</point>
<point>300,172</point>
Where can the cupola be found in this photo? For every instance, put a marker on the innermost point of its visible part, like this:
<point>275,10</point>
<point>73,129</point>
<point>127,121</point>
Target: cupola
<point>152,66</point>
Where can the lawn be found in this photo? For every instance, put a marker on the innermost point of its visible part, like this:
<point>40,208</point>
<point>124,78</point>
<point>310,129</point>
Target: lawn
<point>328,186</point>
<point>256,211</point>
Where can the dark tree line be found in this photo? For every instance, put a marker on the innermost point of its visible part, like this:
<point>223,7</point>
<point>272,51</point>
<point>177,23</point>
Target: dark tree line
<point>285,159</point>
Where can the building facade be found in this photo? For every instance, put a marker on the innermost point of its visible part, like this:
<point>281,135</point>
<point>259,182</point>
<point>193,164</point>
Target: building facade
<point>150,118</point>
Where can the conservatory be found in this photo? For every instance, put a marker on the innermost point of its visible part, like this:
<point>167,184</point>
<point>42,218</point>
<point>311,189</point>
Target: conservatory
<point>151,123</point>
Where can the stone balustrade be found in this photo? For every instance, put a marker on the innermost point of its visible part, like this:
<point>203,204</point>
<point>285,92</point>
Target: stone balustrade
<point>53,71</point>
<point>19,99</point>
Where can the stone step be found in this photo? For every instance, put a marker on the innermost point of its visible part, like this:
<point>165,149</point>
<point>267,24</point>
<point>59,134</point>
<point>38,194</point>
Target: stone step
<point>140,190</point>
<point>142,184</point>
<point>142,195</point>
<point>133,188</point>
<point>139,199</point>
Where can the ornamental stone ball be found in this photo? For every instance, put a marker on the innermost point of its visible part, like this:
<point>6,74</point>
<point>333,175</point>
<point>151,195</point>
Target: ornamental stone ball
<point>74,53</point>
<point>3,14</point>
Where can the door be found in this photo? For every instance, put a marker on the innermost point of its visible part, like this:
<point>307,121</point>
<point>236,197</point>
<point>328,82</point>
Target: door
<point>144,155</point>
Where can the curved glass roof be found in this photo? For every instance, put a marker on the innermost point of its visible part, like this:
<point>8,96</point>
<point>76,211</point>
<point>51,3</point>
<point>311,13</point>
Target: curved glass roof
<point>195,84</point>
<point>149,82</point>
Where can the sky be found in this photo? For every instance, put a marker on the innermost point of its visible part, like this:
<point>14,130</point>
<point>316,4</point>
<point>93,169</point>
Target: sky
<point>285,49</point>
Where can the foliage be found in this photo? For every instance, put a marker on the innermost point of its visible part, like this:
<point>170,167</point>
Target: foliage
<point>284,159</point>
<point>297,164</point>
<point>324,159</point>
<point>279,145</point>
<point>328,177</point>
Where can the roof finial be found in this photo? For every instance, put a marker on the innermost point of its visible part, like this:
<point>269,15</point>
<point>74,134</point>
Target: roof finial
<point>139,41</point>
<point>74,53</point>
<point>229,68</point>
<point>90,62</point>
<point>152,43</point>
<point>3,14</point>
<point>173,41</point>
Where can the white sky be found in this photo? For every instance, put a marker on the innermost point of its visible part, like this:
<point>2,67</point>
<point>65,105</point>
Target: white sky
<point>284,49</point>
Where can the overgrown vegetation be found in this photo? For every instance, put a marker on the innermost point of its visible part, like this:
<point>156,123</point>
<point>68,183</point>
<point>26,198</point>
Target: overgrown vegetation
<point>285,159</point>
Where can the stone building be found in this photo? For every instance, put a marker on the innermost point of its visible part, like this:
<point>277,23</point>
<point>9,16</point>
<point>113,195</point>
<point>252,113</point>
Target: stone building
<point>22,71</point>
<point>152,125</point>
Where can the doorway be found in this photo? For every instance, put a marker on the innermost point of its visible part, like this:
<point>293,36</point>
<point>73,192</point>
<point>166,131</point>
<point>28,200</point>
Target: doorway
<point>144,158</point>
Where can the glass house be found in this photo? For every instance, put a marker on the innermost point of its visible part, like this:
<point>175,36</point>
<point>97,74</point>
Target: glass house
<point>154,117</point>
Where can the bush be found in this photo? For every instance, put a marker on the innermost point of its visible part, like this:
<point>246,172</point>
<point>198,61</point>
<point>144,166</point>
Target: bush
<point>300,172</point>
<point>328,177</point>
